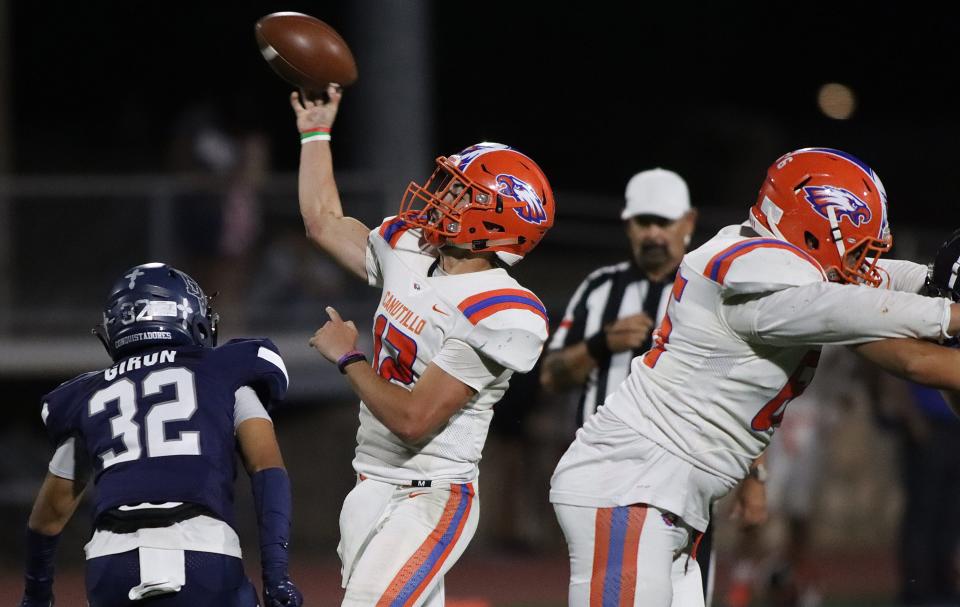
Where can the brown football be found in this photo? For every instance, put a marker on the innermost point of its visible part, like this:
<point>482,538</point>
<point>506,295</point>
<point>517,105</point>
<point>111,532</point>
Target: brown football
<point>305,51</point>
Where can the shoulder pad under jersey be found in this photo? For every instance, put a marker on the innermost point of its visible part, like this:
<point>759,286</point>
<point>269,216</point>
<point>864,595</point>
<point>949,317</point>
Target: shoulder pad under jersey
<point>759,265</point>
<point>257,363</point>
<point>509,326</point>
<point>61,405</point>
<point>390,231</point>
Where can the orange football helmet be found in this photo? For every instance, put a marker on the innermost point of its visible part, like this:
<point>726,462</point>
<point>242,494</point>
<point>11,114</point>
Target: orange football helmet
<point>831,205</point>
<point>488,197</point>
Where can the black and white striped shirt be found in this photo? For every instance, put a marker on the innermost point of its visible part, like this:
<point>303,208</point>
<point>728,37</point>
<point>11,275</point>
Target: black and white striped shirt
<point>609,293</point>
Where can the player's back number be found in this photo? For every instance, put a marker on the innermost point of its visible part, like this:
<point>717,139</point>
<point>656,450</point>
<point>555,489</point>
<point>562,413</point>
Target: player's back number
<point>124,427</point>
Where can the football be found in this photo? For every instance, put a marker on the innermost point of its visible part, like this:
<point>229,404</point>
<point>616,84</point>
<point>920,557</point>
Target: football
<point>305,51</point>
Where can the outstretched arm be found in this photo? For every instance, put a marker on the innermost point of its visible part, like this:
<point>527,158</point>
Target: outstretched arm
<point>55,504</point>
<point>343,238</point>
<point>916,360</point>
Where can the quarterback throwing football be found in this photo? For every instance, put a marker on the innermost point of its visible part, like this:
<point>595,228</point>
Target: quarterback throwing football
<point>451,328</point>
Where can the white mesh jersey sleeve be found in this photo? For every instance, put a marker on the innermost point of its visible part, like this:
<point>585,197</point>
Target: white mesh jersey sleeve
<point>374,276</point>
<point>461,360</point>
<point>828,313</point>
<point>378,243</point>
<point>902,275</point>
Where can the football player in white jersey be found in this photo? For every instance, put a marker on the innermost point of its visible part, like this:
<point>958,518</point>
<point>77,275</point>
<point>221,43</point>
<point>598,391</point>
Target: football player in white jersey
<point>750,311</point>
<point>451,328</point>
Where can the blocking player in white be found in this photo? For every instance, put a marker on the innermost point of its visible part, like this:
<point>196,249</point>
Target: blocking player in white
<point>741,337</point>
<point>451,328</point>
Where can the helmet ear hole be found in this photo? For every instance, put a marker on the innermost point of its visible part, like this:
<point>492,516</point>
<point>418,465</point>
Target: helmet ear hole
<point>493,227</point>
<point>812,242</point>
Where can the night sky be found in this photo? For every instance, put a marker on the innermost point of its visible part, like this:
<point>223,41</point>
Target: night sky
<point>594,91</point>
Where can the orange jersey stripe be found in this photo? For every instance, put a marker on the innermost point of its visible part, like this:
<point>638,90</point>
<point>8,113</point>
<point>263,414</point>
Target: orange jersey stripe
<point>479,306</point>
<point>473,299</point>
<point>393,230</point>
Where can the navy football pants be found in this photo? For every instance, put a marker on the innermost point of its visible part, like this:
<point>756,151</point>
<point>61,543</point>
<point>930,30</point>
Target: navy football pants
<point>211,579</point>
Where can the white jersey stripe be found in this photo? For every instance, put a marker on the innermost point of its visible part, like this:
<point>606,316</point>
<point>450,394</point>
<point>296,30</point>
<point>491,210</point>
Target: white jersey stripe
<point>273,358</point>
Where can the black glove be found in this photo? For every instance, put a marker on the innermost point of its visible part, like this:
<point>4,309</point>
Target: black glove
<point>281,593</point>
<point>943,279</point>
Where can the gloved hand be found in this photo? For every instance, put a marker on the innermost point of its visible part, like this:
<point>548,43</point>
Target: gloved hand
<point>27,601</point>
<point>281,593</point>
<point>944,277</point>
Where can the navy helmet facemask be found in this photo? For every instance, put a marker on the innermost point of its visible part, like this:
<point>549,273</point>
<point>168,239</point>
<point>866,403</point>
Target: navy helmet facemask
<point>154,305</point>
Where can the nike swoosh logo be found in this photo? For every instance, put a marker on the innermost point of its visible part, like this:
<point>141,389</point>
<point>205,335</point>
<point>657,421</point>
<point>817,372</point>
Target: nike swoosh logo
<point>416,493</point>
<point>436,309</point>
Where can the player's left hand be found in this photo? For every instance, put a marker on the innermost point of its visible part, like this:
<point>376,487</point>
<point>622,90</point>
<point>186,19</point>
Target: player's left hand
<point>750,507</point>
<point>335,338</point>
<point>281,594</point>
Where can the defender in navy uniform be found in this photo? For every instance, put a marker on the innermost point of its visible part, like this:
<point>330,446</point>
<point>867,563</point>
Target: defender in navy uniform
<point>159,431</point>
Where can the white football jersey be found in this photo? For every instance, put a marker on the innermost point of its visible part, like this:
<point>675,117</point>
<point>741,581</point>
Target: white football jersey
<point>741,337</point>
<point>479,327</point>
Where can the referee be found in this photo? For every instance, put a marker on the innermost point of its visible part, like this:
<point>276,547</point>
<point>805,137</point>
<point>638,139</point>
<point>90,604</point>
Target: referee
<point>613,312</point>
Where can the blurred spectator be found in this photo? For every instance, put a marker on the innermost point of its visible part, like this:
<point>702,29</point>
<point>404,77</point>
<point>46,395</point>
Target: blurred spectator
<point>293,282</point>
<point>783,573</point>
<point>511,496</point>
<point>218,214</point>
<point>929,537</point>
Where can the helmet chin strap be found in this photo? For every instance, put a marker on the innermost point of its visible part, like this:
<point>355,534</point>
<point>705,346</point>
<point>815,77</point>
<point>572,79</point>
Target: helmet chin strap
<point>484,243</point>
<point>835,232</point>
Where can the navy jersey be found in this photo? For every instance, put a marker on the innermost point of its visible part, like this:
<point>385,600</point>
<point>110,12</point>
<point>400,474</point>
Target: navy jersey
<point>159,426</point>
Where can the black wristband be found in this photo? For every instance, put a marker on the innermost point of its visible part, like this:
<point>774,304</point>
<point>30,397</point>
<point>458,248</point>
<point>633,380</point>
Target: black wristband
<point>597,346</point>
<point>349,358</point>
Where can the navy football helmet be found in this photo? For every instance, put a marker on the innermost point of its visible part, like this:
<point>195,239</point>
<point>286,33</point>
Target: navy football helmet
<point>155,305</point>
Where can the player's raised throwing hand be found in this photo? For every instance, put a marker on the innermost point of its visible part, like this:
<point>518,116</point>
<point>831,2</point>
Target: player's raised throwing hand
<point>316,113</point>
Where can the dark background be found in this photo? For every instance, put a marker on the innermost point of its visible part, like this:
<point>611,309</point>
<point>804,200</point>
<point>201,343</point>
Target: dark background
<point>592,90</point>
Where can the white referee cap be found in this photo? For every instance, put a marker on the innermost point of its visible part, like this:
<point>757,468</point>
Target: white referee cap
<point>656,192</point>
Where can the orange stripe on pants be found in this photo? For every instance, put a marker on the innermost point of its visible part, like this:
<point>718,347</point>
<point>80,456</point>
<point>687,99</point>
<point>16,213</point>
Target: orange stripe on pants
<point>422,554</point>
<point>601,546</point>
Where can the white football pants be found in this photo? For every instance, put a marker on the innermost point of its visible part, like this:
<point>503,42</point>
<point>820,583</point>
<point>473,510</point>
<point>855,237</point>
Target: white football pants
<point>632,555</point>
<point>397,542</point>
